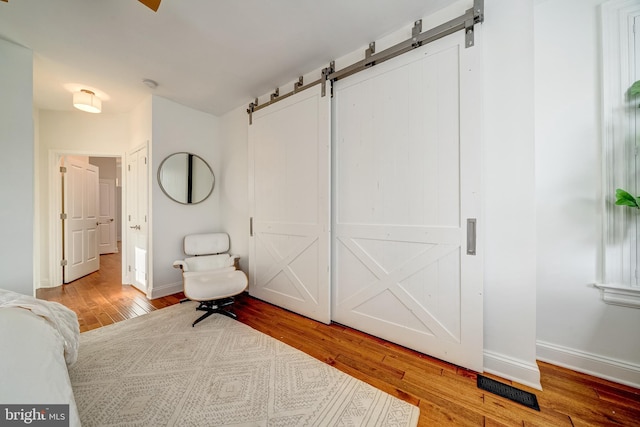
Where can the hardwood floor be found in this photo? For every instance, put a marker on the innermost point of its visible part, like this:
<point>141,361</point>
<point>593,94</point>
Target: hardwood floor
<point>447,395</point>
<point>100,299</point>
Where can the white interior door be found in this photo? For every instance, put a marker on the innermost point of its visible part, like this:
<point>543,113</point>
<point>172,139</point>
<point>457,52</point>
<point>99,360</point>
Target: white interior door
<point>289,167</point>
<point>407,177</point>
<point>137,218</point>
<point>80,228</point>
<point>107,243</point>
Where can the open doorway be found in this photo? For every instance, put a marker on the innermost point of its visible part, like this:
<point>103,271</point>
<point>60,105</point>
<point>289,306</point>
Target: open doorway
<point>85,216</point>
<point>109,234</point>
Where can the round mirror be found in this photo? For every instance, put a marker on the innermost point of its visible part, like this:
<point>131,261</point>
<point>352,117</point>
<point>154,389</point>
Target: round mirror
<point>186,178</point>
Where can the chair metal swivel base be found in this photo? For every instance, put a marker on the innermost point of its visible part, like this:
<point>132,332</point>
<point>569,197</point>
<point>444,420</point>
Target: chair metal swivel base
<point>215,306</point>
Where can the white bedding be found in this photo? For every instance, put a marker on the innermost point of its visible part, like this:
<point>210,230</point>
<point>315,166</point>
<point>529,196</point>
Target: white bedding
<point>35,339</point>
<point>63,320</point>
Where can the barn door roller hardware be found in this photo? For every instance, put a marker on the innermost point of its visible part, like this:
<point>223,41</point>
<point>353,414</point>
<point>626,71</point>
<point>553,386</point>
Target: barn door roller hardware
<point>476,15</point>
<point>371,50</point>
<point>325,77</point>
<point>298,86</point>
<point>415,32</point>
<point>251,109</point>
<point>465,23</point>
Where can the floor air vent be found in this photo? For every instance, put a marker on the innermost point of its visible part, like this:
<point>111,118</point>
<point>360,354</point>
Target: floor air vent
<point>519,396</point>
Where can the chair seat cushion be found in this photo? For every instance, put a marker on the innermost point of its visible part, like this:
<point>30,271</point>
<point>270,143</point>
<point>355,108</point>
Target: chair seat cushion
<point>208,262</point>
<point>206,286</point>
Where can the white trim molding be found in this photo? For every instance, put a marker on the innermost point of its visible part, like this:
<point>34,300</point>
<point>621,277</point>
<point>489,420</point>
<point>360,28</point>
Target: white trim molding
<point>164,290</point>
<point>588,363</point>
<point>620,295</point>
<point>621,225</point>
<point>45,283</point>
<point>512,369</point>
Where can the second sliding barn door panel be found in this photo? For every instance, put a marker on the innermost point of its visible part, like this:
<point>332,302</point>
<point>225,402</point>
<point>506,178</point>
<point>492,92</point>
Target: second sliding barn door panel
<point>406,171</point>
<point>289,192</point>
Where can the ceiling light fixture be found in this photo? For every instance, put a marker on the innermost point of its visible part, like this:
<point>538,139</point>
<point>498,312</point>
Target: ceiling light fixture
<point>86,100</point>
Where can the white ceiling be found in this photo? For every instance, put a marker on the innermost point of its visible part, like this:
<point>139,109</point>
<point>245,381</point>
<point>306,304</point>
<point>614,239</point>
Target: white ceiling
<point>211,55</point>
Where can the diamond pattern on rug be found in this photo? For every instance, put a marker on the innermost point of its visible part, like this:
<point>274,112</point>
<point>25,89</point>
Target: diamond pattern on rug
<point>234,346</point>
<point>183,351</point>
<point>142,400</point>
<point>301,382</point>
<point>107,360</point>
<point>157,370</point>
<point>231,395</point>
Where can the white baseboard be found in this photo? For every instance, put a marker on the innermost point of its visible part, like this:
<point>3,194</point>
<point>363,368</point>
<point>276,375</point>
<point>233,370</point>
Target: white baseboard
<point>45,284</point>
<point>592,364</point>
<point>512,369</point>
<point>164,290</point>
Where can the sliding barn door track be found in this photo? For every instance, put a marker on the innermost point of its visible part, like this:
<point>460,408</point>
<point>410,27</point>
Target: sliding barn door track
<point>465,22</point>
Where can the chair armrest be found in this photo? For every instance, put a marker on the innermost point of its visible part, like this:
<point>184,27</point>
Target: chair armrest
<point>181,265</point>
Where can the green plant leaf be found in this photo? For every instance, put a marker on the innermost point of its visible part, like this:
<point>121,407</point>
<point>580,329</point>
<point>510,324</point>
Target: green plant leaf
<point>635,89</point>
<point>623,198</point>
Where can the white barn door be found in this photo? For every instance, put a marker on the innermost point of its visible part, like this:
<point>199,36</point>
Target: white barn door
<point>407,178</point>
<point>289,183</point>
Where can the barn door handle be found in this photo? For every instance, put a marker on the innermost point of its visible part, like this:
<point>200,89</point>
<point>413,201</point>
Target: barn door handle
<point>471,236</point>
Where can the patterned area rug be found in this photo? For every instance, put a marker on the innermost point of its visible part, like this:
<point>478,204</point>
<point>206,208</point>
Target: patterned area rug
<point>157,370</point>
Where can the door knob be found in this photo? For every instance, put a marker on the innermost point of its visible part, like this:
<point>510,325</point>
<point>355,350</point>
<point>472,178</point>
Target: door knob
<point>135,227</point>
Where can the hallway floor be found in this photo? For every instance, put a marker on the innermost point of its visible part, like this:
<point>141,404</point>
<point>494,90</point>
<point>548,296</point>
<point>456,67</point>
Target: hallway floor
<point>100,299</point>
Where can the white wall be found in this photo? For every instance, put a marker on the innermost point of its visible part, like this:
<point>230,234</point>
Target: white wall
<point>16,168</point>
<point>107,165</point>
<point>575,327</point>
<point>140,123</point>
<point>510,248</point>
<point>72,133</point>
<point>234,186</point>
<point>177,128</point>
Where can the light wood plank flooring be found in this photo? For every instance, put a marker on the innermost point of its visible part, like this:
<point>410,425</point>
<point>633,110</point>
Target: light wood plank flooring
<point>447,395</point>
